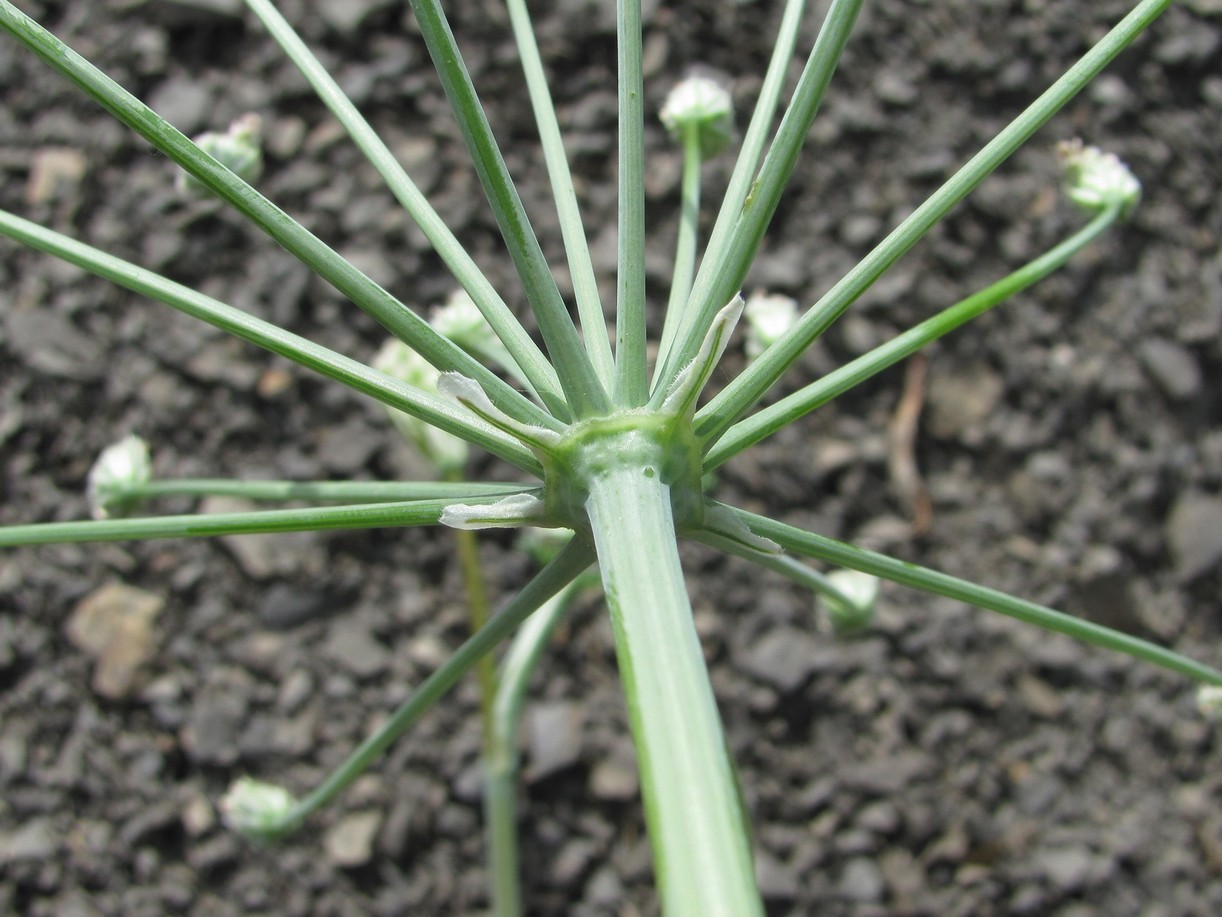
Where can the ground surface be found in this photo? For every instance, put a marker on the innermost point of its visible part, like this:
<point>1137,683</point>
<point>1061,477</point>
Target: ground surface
<point>948,763</point>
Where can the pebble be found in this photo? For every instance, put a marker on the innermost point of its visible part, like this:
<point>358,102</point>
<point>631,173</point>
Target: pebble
<point>35,840</point>
<point>1173,368</point>
<point>783,658</point>
<point>114,625</point>
<point>862,881</point>
<point>554,731</point>
<point>357,650</point>
<point>349,842</point>
<point>614,778</point>
<point>264,556</point>
<point>777,881</point>
<point>284,607</point>
<point>1194,532</point>
<point>211,733</point>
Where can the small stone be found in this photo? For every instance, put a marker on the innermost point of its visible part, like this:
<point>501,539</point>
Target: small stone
<point>614,777</point>
<point>284,607</point>
<point>1040,697</point>
<point>1067,868</point>
<point>554,731</point>
<point>264,556</point>
<point>114,625</point>
<point>783,658</point>
<point>961,400</point>
<point>186,103</point>
<point>1194,531</point>
<point>776,880</point>
<point>198,816</point>
<point>357,650</point>
<point>34,840</point>
<point>52,170</point>
<point>886,776</point>
<point>1173,368</point>
<point>216,721</point>
<point>862,881</point>
<point>349,842</point>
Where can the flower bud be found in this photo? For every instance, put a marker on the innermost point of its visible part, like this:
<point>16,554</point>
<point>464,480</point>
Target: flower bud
<point>1209,701</point>
<point>857,613</point>
<point>461,321</point>
<point>701,102</point>
<point>238,150</point>
<point>444,451</point>
<point>256,809</point>
<point>1095,179</point>
<point>119,471</point>
<point>768,316</point>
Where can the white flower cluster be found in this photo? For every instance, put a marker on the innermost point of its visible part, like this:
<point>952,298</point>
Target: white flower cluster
<point>239,150</point>
<point>256,809</point>
<point>704,103</point>
<point>1095,179</point>
<point>120,469</point>
<point>768,316</point>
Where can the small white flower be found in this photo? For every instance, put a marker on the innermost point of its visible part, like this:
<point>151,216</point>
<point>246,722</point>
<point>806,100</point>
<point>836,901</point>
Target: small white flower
<point>1095,179</point>
<point>461,321</point>
<point>861,590</point>
<point>121,468</point>
<point>1209,701</point>
<point>256,809</point>
<point>704,103</point>
<point>238,149</point>
<point>768,316</point>
<point>444,450</point>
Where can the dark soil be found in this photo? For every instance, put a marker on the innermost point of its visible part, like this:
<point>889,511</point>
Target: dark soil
<point>949,763</point>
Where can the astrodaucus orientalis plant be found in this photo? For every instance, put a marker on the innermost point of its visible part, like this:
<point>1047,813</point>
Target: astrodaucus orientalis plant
<point>614,453</point>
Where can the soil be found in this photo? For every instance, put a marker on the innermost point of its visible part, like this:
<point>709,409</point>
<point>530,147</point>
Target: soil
<point>947,763</point>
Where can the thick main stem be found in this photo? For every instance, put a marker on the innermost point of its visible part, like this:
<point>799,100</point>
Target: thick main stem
<point>702,854</point>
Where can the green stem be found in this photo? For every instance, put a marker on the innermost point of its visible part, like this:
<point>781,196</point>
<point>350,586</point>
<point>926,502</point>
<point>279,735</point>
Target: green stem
<point>697,827</point>
<point>745,391</point>
<point>567,565</point>
<point>917,577</point>
<point>632,387</point>
<point>478,612</point>
<point>725,276</point>
<point>351,491</point>
<point>581,267</point>
<point>311,519</point>
<point>439,412</point>
<point>312,251</point>
<point>685,244</point>
<point>582,388</point>
<point>746,433</point>
<point>501,756</point>
<point>752,148</point>
<point>526,354</point>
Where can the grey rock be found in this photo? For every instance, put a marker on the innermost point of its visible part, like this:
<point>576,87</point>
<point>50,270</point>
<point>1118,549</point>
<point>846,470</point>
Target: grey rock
<point>185,103</point>
<point>777,881</point>
<point>114,625</point>
<point>347,16</point>
<point>284,606</point>
<point>554,731</point>
<point>211,733</point>
<point>885,776</point>
<point>1194,532</point>
<point>357,650</point>
<point>349,842</point>
<point>783,658</point>
<point>1173,368</point>
<point>862,881</point>
<point>35,840</point>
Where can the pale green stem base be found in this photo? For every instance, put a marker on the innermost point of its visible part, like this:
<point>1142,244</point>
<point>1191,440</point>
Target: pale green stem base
<point>700,839</point>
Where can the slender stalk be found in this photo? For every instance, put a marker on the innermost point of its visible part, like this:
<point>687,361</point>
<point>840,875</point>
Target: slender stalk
<point>311,519</point>
<point>312,251</point>
<point>348,491</point>
<point>501,756</point>
<point>751,150</point>
<point>725,276</point>
<point>581,386</point>
<point>567,565</point>
<point>581,267</point>
<point>478,612</point>
<point>631,385</point>
<point>685,244</point>
<point>740,395</point>
<point>788,567</point>
<point>845,555</point>
<point>697,827</point>
<point>784,412</point>
<point>526,354</point>
<point>437,411</point>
